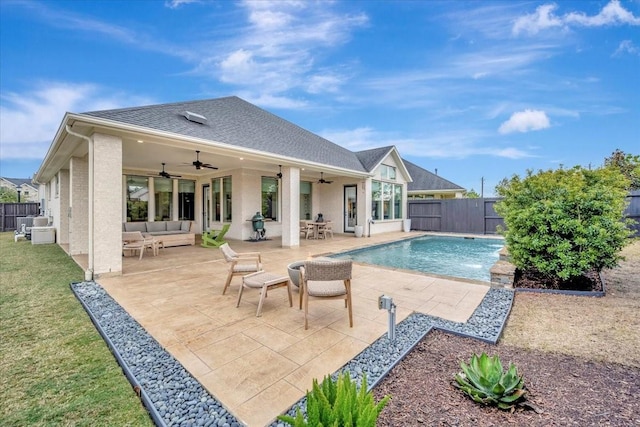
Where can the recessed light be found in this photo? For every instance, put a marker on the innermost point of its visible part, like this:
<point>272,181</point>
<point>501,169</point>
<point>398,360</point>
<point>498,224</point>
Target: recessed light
<point>140,141</point>
<point>241,158</point>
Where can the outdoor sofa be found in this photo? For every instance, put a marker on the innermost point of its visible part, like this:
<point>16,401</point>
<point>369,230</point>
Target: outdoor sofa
<point>171,233</point>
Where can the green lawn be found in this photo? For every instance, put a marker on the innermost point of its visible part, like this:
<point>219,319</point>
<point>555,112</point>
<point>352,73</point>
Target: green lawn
<point>55,369</point>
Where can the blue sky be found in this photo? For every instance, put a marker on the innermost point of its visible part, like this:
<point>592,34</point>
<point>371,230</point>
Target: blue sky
<point>473,89</point>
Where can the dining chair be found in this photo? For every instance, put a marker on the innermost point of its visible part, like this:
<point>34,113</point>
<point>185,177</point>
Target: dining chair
<point>309,230</point>
<point>325,230</point>
<point>239,264</point>
<point>326,279</point>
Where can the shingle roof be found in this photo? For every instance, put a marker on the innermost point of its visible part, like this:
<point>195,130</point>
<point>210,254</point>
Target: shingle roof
<point>19,181</point>
<point>425,180</point>
<point>371,158</point>
<point>233,121</point>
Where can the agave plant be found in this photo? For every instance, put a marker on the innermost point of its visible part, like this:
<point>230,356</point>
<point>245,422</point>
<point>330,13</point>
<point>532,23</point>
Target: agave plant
<point>338,403</point>
<point>485,382</point>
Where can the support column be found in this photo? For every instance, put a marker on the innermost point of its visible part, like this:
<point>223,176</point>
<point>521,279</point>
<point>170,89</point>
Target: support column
<point>290,207</point>
<point>65,206</point>
<point>107,204</point>
<point>175,208</point>
<point>79,206</point>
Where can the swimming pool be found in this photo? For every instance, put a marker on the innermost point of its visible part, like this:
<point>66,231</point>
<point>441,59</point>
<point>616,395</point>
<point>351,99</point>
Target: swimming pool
<point>467,258</point>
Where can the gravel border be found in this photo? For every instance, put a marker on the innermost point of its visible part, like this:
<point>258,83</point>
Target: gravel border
<point>174,398</point>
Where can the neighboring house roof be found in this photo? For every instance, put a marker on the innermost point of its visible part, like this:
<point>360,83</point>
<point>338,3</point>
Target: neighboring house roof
<point>238,123</point>
<point>19,182</point>
<point>423,180</point>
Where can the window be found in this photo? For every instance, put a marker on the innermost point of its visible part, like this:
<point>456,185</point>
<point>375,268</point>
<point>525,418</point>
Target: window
<point>164,198</point>
<point>221,199</point>
<point>376,198</point>
<point>388,172</point>
<point>137,198</point>
<point>305,200</point>
<point>57,184</point>
<point>397,201</point>
<point>386,200</point>
<point>186,199</point>
<point>270,197</point>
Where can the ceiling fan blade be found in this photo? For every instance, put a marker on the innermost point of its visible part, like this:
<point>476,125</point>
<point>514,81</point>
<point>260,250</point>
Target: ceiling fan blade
<point>208,166</point>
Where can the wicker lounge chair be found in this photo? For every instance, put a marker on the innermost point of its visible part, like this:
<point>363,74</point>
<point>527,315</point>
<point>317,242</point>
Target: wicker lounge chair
<point>326,279</point>
<point>240,264</point>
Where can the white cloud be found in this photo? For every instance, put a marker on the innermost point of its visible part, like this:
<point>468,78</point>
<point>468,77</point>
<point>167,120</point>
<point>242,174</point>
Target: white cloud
<point>361,138</point>
<point>325,83</point>
<point>612,14</point>
<point>626,46</point>
<point>174,4</point>
<point>280,48</point>
<point>525,121</point>
<point>31,119</point>
<point>452,145</point>
<point>541,19</point>
<point>544,18</point>
<point>510,153</point>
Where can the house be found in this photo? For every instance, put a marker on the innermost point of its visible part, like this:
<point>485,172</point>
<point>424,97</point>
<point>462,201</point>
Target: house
<point>28,191</point>
<point>212,162</point>
<point>427,185</point>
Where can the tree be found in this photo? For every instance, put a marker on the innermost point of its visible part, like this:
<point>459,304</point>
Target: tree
<point>471,194</point>
<point>628,165</point>
<point>566,222</point>
<point>8,195</point>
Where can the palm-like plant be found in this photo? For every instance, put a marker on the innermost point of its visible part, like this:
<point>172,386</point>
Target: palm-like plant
<point>338,403</point>
<point>485,382</point>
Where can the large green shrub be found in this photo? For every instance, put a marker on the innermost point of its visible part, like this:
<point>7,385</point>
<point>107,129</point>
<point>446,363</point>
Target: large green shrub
<point>338,404</point>
<point>565,222</point>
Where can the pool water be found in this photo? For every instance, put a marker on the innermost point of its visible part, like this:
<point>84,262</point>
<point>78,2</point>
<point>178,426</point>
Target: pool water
<point>466,258</point>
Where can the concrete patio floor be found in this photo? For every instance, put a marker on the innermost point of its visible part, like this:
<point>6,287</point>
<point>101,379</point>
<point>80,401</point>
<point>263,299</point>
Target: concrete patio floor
<point>257,367</point>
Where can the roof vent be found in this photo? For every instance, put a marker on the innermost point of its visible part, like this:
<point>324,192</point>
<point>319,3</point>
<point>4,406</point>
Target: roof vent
<point>193,117</point>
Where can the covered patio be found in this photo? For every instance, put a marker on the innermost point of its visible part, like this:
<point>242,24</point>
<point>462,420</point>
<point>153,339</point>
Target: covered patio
<point>257,367</point>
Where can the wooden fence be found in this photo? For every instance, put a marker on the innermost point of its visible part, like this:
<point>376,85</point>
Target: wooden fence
<point>477,216</point>
<point>633,210</point>
<point>474,216</point>
<point>10,211</point>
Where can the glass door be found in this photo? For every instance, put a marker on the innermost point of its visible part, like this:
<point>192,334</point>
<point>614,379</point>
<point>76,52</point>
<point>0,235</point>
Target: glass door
<point>350,208</point>
<point>206,207</point>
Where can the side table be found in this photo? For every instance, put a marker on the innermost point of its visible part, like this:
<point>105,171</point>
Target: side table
<point>265,281</point>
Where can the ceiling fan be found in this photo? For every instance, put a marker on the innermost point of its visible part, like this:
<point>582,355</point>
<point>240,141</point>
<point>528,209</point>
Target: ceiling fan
<point>279,174</point>
<point>164,174</point>
<point>199,165</point>
<point>322,180</point>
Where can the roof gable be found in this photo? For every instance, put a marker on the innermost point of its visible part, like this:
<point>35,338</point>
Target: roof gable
<point>372,158</point>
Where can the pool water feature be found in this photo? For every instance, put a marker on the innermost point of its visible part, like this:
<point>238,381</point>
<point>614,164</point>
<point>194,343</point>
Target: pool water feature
<point>466,258</point>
